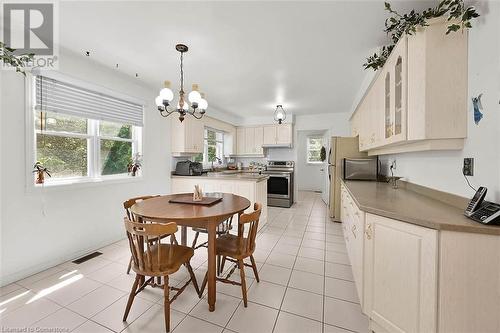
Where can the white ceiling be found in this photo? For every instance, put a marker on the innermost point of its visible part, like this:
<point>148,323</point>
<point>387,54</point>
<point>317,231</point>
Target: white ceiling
<point>247,56</point>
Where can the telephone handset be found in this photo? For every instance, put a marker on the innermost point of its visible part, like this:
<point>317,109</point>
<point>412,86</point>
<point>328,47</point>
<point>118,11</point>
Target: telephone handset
<point>482,211</point>
<point>476,201</point>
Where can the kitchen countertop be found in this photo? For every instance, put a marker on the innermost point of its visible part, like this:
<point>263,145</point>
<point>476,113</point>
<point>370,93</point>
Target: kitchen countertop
<point>409,206</point>
<point>236,175</point>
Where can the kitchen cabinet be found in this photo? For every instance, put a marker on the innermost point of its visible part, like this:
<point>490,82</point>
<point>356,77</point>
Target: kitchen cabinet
<point>187,136</point>
<point>415,278</point>
<point>249,141</point>
<point>353,221</point>
<point>240,140</point>
<point>255,191</point>
<point>279,135</point>
<point>418,100</point>
<point>400,275</point>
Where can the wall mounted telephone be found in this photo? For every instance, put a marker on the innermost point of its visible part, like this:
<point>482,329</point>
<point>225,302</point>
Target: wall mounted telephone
<point>483,212</point>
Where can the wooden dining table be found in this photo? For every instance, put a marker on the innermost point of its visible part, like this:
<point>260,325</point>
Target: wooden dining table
<point>161,210</point>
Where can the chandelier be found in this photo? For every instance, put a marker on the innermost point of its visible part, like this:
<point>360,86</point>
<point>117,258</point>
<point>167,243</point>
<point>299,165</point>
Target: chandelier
<point>279,114</point>
<point>196,105</point>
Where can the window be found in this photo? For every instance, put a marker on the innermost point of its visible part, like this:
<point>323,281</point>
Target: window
<point>75,146</point>
<point>213,147</point>
<point>314,145</point>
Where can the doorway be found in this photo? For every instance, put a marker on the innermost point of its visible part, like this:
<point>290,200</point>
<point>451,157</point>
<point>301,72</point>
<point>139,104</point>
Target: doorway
<point>311,171</point>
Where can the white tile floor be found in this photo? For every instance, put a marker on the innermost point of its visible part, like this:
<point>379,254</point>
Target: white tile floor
<point>306,286</point>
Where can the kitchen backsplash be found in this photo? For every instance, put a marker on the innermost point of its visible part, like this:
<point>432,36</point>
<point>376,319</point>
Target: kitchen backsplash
<point>272,154</point>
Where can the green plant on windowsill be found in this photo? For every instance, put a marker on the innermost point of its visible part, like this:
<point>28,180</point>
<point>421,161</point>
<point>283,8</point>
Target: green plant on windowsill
<point>398,24</point>
<point>40,171</point>
<point>18,62</point>
<point>134,165</point>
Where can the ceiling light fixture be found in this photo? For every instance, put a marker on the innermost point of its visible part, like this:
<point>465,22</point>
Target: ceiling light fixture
<point>198,103</point>
<point>279,114</point>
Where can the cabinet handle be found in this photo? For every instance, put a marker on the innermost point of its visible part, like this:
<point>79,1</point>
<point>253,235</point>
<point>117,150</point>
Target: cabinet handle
<point>369,231</point>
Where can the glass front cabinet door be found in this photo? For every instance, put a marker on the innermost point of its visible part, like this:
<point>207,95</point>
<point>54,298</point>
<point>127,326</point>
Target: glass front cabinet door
<point>394,82</point>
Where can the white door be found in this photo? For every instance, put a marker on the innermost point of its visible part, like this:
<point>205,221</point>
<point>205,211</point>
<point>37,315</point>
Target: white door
<point>250,140</point>
<point>270,135</point>
<point>284,134</point>
<point>240,140</point>
<point>258,139</point>
<point>325,191</point>
<point>400,273</point>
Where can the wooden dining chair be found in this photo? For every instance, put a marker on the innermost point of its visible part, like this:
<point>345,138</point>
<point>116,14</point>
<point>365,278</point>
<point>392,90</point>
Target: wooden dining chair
<point>237,248</point>
<point>127,205</point>
<point>153,259</point>
<point>222,229</point>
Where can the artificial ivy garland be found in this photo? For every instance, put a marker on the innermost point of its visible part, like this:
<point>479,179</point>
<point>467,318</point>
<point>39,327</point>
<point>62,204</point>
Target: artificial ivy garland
<point>18,62</point>
<point>398,24</point>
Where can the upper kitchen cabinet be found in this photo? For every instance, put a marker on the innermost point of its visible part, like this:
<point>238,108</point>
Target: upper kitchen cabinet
<point>187,136</point>
<point>418,100</point>
<point>249,141</point>
<point>280,135</point>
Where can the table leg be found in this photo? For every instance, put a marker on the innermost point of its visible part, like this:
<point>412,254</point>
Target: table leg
<point>183,235</point>
<point>211,266</point>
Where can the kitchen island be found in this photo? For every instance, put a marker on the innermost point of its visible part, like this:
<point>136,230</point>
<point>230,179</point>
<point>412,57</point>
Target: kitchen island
<point>419,264</point>
<point>250,185</point>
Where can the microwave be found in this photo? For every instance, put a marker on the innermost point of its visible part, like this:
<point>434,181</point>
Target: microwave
<point>360,168</point>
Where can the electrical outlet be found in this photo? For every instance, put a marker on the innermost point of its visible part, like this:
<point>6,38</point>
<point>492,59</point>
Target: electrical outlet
<point>468,169</point>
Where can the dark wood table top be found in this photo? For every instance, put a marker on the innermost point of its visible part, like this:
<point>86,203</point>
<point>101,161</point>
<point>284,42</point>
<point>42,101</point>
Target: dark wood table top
<point>160,209</point>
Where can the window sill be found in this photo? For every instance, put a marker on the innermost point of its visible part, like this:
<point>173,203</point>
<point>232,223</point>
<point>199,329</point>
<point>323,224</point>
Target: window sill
<point>315,163</point>
<point>70,184</point>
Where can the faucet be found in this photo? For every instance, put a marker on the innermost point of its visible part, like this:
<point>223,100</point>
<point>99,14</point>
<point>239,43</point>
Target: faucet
<point>219,161</point>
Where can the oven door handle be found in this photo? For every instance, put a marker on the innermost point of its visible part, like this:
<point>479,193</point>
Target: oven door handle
<point>281,175</point>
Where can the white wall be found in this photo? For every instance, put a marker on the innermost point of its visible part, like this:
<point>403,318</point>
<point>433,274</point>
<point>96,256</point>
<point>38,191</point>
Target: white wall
<point>443,170</point>
<point>77,219</point>
<point>335,124</point>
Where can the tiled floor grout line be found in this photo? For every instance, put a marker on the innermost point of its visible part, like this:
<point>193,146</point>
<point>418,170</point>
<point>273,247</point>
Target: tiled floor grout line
<point>291,273</point>
<point>277,234</point>
<point>327,219</point>
<point>241,301</point>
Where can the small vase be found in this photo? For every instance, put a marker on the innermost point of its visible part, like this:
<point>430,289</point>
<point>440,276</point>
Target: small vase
<point>40,178</point>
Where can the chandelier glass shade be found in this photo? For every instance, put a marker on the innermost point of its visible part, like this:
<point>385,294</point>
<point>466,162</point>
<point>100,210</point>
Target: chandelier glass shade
<point>279,114</point>
<point>195,104</point>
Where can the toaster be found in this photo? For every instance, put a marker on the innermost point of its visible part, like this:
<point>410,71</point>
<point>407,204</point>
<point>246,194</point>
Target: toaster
<point>188,168</point>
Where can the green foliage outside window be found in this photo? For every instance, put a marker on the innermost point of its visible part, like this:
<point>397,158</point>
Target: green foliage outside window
<point>66,155</point>
<point>63,156</point>
<point>314,146</point>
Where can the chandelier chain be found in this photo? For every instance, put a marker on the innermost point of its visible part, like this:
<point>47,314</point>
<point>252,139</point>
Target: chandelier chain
<point>182,72</point>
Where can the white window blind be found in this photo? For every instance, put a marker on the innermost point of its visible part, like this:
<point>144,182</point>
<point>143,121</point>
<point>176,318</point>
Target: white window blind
<point>61,97</point>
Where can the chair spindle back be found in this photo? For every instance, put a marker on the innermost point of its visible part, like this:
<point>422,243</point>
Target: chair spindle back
<point>142,235</point>
<point>253,220</point>
<point>130,202</point>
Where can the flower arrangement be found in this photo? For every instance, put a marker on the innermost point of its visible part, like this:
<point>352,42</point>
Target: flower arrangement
<point>40,171</point>
<point>458,15</point>
<point>134,165</point>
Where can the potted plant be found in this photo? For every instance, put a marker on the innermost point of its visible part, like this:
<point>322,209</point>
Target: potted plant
<point>134,165</point>
<point>322,154</point>
<point>40,171</point>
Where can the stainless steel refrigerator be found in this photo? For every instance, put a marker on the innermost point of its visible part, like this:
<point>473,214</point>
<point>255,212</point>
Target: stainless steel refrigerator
<point>340,148</point>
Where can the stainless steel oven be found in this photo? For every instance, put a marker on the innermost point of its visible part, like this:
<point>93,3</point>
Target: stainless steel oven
<point>280,183</point>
